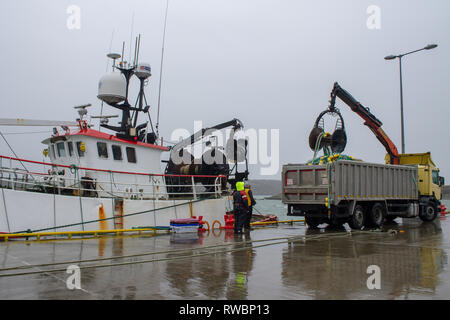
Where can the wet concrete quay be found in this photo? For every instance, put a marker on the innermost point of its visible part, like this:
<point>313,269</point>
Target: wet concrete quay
<point>285,262</point>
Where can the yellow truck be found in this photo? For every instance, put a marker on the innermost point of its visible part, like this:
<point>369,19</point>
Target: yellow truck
<point>357,192</point>
<point>361,193</point>
<point>429,182</point>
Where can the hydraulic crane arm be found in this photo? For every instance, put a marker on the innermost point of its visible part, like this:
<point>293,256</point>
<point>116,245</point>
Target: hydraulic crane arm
<point>183,162</point>
<point>369,119</point>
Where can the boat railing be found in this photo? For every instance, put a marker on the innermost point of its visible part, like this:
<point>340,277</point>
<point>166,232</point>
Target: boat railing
<point>106,184</point>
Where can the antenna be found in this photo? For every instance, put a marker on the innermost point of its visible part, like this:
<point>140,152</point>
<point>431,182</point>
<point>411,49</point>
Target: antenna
<point>107,65</point>
<point>99,117</point>
<point>113,56</point>
<point>104,119</point>
<point>123,49</point>
<point>82,110</point>
<point>136,49</point>
<point>161,69</point>
<point>110,46</point>
<point>83,106</point>
<point>131,35</point>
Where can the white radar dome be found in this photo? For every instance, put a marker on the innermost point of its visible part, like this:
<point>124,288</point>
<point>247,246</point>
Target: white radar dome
<point>112,88</point>
<point>143,71</point>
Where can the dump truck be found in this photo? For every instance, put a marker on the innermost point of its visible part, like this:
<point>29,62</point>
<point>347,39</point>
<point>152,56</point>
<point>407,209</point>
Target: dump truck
<point>361,193</point>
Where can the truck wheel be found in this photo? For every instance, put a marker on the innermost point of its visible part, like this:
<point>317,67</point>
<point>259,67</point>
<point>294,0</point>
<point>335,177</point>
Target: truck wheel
<point>357,219</point>
<point>312,222</point>
<point>429,212</point>
<point>376,216</point>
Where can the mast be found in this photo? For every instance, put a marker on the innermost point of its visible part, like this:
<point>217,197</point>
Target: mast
<point>114,90</point>
<point>161,69</point>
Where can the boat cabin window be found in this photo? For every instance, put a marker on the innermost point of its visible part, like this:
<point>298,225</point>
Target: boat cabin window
<point>117,152</point>
<point>61,149</point>
<point>70,148</point>
<point>80,152</point>
<point>102,150</point>
<point>131,155</point>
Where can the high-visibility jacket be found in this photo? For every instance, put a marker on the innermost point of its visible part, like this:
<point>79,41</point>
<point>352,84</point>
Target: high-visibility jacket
<point>251,201</point>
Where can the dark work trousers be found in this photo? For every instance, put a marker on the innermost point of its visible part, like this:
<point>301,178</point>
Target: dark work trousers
<point>239,220</point>
<point>248,218</point>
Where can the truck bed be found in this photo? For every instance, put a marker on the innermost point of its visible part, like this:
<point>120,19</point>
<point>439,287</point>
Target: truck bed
<point>348,180</point>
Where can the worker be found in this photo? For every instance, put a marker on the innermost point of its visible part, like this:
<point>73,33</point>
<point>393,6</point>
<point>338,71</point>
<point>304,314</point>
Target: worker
<point>251,202</point>
<point>241,208</point>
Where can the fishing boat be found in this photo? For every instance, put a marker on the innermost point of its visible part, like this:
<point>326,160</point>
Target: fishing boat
<point>113,177</point>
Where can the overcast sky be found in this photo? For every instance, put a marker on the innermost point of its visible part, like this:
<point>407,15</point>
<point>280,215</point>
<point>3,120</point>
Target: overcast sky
<point>272,64</point>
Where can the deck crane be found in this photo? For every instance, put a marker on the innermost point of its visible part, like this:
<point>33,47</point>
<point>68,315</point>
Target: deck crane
<point>338,139</point>
<point>213,161</point>
<point>342,191</point>
<point>371,121</point>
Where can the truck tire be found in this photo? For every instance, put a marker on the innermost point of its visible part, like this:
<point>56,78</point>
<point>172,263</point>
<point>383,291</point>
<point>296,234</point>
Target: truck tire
<point>375,217</point>
<point>357,219</point>
<point>312,222</point>
<point>429,212</point>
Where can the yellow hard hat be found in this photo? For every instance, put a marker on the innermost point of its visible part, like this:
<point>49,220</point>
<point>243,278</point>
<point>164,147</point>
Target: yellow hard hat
<point>240,186</point>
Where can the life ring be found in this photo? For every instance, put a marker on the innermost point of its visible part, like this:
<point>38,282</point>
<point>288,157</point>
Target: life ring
<point>214,223</point>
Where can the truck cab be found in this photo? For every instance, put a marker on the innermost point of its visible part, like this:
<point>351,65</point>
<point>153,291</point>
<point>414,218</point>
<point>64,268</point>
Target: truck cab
<point>429,182</point>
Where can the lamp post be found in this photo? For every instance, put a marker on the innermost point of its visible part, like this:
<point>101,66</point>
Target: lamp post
<point>400,56</point>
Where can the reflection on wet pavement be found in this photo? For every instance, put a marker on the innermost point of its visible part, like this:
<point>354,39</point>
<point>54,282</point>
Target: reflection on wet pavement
<point>311,264</point>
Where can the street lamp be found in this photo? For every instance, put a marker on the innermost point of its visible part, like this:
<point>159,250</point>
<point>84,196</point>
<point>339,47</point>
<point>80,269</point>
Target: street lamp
<point>400,56</point>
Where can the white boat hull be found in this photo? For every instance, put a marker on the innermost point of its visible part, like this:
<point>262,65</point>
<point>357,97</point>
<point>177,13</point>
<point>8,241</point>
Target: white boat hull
<point>24,210</point>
